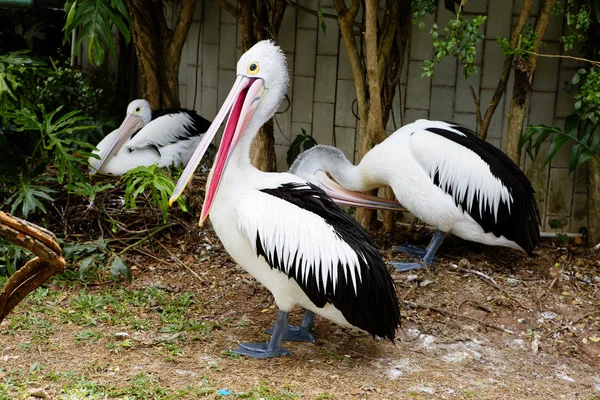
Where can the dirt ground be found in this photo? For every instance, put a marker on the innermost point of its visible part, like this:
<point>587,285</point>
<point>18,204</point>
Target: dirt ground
<point>527,328</point>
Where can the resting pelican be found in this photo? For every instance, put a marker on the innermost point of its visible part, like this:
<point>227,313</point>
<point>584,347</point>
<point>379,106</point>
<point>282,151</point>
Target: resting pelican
<point>445,176</point>
<point>284,231</point>
<point>147,137</point>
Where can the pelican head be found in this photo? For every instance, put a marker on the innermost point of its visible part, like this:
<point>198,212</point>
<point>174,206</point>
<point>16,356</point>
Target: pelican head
<point>262,79</point>
<point>139,114</point>
<point>315,164</point>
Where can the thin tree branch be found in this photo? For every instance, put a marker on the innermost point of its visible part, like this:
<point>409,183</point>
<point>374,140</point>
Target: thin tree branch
<point>310,10</point>
<point>506,68</point>
<point>182,27</point>
<point>455,315</point>
<point>594,63</point>
<point>477,109</point>
<point>230,8</point>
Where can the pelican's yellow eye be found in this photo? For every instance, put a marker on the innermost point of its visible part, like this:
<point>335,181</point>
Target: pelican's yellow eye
<point>137,110</point>
<point>253,68</point>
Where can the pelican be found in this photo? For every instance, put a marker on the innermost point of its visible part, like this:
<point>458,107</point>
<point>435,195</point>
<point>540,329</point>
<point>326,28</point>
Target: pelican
<point>147,137</point>
<point>445,176</point>
<point>284,231</point>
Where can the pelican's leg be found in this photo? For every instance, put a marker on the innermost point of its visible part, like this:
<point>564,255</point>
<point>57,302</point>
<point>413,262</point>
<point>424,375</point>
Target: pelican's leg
<point>427,260</point>
<point>302,333</point>
<point>412,250</point>
<point>273,347</point>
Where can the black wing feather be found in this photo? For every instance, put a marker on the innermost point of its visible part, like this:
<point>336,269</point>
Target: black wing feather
<point>519,223</point>
<point>374,306</point>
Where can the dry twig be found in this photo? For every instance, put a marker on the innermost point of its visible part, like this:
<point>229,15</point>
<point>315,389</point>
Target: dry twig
<point>178,261</point>
<point>451,314</point>
<point>491,282</point>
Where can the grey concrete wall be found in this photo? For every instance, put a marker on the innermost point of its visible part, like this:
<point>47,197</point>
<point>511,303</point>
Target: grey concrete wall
<point>322,96</point>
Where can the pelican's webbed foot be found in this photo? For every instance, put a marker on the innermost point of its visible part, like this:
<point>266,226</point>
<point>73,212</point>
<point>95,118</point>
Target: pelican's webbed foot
<point>302,333</point>
<point>260,350</point>
<point>273,347</point>
<point>409,249</point>
<point>427,255</point>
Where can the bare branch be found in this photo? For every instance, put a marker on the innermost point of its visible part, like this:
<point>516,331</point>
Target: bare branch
<point>310,11</point>
<point>455,315</point>
<point>506,68</point>
<point>230,8</point>
<point>477,109</point>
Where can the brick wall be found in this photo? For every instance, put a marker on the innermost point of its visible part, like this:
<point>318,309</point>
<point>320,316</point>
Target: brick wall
<point>322,96</point>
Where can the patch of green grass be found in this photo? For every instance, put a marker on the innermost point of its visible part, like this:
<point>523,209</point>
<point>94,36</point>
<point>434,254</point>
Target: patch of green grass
<point>118,346</point>
<point>87,336</point>
<point>263,391</point>
<point>173,351</point>
<point>142,386</point>
<point>231,355</point>
<point>323,396</point>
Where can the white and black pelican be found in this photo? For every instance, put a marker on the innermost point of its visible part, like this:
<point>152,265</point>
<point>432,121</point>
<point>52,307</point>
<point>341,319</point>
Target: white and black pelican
<point>445,176</point>
<point>284,231</point>
<point>146,137</point>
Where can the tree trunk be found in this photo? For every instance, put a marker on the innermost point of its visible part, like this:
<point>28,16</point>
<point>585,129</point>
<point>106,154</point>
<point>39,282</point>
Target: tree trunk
<point>593,201</point>
<point>158,49</point>
<point>259,20</point>
<point>376,82</point>
<point>524,70</point>
<point>508,59</point>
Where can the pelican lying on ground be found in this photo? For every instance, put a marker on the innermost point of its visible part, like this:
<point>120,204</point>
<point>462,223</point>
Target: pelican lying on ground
<point>284,231</point>
<point>445,176</point>
<point>146,137</point>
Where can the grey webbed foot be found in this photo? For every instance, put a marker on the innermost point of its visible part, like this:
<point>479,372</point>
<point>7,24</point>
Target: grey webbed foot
<point>273,347</point>
<point>414,251</point>
<point>427,256</point>
<point>403,266</point>
<point>260,350</point>
<point>302,333</point>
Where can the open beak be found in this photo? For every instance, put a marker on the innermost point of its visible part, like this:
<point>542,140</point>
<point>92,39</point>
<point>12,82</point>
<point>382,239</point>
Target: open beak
<point>242,100</point>
<point>353,199</point>
<point>130,124</point>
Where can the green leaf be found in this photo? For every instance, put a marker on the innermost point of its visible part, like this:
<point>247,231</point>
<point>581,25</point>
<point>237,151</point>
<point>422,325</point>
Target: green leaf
<point>555,146</point>
<point>119,267</point>
<point>322,21</point>
<point>85,264</point>
<point>94,19</point>
<point>572,125</point>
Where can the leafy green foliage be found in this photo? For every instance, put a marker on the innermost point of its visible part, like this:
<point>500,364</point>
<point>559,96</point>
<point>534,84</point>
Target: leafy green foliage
<point>460,41</point>
<point>585,134</point>
<point>154,179</point>
<point>85,189</point>
<point>9,80</point>
<point>587,99</point>
<point>12,258</point>
<point>578,14</point>
<point>581,127</point>
<point>420,8</point>
<point>57,139</point>
<point>28,196</point>
<point>96,255</point>
<point>525,45</point>
<point>302,143</point>
<point>43,128</point>
<point>94,20</point>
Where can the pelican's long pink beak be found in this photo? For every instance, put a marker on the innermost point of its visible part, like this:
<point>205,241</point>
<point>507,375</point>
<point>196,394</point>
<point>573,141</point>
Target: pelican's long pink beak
<point>350,198</point>
<point>242,100</point>
<point>130,124</point>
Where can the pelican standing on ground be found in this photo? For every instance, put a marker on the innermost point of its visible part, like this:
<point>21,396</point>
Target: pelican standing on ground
<point>444,175</point>
<point>285,232</point>
<point>146,137</point>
